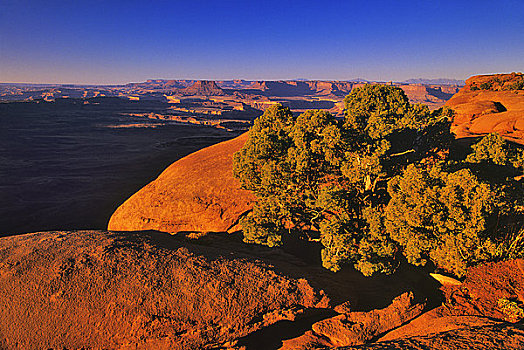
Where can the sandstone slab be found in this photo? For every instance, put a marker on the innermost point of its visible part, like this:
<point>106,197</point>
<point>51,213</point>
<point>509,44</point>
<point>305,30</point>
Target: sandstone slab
<point>196,193</point>
<point>147,290</point>
<point>482,111</point>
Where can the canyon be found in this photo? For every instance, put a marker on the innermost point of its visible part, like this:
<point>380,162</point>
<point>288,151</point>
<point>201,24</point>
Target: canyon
<point>226,103</point>
<point>171,270</point>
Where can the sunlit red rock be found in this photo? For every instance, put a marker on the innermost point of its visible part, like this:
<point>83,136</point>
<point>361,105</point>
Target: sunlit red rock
<point>108,290</point>
<point>482,111</point>
<point>196,193</point>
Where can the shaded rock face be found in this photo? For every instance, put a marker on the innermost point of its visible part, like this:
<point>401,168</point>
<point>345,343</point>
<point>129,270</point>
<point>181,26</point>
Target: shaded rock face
<point>196,193</point>
<point>353,328</point>
<point>98,289</point>
<point>481,111</point>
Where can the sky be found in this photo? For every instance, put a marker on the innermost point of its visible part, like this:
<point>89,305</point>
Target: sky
<point>114,42</point>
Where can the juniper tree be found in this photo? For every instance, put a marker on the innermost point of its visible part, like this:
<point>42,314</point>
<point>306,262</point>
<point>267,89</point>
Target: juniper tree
<point>369,187</point>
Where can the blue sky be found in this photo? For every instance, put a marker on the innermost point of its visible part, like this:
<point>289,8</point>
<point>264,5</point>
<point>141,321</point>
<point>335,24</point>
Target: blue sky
<point>123,41</point>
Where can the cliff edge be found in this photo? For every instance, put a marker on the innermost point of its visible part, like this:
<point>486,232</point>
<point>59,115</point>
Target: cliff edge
<point>196,193</point>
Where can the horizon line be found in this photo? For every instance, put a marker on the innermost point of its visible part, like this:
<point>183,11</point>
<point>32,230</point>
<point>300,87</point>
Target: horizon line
<point>359,79</point>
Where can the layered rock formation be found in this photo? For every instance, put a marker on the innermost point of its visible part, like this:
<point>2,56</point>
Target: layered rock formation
<point>196,193</point>
<point>203,87</point>
<point>433,96</point>
<point>490,103</point>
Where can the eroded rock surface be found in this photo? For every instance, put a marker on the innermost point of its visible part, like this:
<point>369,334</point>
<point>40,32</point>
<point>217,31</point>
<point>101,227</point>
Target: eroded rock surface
<point>471,317</point>
<point>485,289</point>
<point>99,289</point>
<point>491,337</point>
<point>196,193</point>
<point>482,108</point>
<point>354,328</point>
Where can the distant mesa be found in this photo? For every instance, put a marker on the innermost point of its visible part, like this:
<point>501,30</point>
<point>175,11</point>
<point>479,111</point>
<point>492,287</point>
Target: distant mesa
<point>204,88</point>
<point>298,94</point>
<point>283,88</point>
<point>437,81</point>
<point>359,80</point>
<point>302,88</point>
<point>431,95</point>
<point>175,84</point>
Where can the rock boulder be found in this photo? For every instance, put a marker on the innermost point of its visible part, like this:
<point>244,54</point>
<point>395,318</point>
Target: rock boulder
<point>196,193</point>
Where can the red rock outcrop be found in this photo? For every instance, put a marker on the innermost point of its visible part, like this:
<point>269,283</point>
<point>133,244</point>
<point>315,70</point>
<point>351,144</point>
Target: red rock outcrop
<point>484,106</point>
<point>109,290</point>
<point>472,313</point>
<point>432,322</point>
<point>483,289</point>
<point>471,317</point>
<point>196,193</point>
<point>489,337</point>
<point>354,328</point>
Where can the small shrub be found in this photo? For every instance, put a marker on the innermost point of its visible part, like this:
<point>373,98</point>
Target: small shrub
<point>493,148</point>
<point>519,85</point>
<point>486,85</point>
<point>512,247</point>
<point>511,309</point>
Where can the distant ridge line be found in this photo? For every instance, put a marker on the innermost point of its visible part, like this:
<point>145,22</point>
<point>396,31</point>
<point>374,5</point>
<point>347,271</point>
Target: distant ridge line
<point>436,81</point>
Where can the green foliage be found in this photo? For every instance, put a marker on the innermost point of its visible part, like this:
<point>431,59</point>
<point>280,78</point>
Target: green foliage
<point>439,216</point>
<point>378,110</point>
<point>512,247</point>
<point>516,82</point>
<point>486,85</point>
<point>490,148</point>
<point>265,150</point>
<point>511,309</point>
<point>373,186</point>
<point>518,85</point>
<point>493,148</point>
